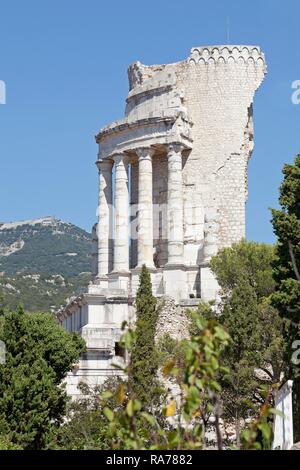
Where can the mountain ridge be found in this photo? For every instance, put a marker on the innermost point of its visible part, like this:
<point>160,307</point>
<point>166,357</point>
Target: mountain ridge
<point>41,220</point>
<point>43,262</point>
<point>44,245</point>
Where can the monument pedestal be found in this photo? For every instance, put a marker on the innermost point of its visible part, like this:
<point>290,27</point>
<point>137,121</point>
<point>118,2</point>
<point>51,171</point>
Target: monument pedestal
<point>119,280</point>
<point>174,279</point>
<point>208,284</point>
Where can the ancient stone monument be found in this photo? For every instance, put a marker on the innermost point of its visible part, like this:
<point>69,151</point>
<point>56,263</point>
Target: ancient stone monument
<point>172,191</point>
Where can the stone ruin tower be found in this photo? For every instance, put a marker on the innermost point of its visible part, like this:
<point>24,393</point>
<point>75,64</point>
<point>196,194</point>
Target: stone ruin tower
<point>172,191</point>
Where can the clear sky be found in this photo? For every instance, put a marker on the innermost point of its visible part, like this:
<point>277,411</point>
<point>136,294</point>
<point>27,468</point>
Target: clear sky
<point>64,63</point>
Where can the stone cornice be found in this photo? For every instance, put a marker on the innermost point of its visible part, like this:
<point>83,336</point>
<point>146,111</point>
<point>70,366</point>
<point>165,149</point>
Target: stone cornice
<point>125,125</point>
<point>83,299</point>
<point>73,305</point>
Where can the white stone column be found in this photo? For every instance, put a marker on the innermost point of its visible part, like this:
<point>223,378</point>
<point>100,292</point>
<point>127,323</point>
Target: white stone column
<point>94,260</point>
<point>104,230</point>
<point>121,235</point>
<point>175,205</point>
<point>145,208</point>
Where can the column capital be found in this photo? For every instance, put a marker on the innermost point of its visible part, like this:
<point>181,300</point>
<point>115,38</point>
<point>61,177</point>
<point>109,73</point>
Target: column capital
<point>145,152</point>
<point>175,147</point>
<point>119,157</point>
<point>104,164</point>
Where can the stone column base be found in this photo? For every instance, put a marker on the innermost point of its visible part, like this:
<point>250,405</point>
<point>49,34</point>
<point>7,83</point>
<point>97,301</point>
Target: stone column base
<point>175,282</point>
<point>101,281</point>
<point>208,283</point>
<point>119,280</point>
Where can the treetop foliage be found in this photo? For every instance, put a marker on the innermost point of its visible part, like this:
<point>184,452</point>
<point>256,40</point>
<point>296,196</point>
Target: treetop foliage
<point>39,353</point>
<point>245,263</point>
<point>286,224</point>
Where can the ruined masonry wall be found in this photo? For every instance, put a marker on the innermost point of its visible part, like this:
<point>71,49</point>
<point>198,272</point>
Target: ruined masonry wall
<point>214,87</point>
<point>172,319</point>
<point>218,94</point>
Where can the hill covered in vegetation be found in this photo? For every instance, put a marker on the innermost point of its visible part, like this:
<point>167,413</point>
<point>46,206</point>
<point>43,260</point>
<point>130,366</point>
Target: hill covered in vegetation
<point>43,262</point>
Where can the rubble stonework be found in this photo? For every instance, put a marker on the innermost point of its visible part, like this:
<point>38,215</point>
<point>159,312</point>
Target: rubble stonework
<point>172,188</point>
<point>173,320</point>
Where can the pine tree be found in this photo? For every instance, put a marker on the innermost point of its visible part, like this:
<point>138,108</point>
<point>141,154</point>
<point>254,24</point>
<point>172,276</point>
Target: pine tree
<point>144,360</point>
<point>286,223</point>
<point>241,320</point>
<point>39,353</point>
<point>244,272</point>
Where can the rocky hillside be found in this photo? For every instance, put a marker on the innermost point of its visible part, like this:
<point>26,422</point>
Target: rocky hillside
<point>43,262</point>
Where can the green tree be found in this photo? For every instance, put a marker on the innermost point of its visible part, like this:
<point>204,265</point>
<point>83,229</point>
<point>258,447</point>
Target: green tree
<point>115,419</point>
<point>245,262</point>
<point>286,224</point>
<point>85,426</point>
<point>131,427</point>
<point>39,353</point>
<point>240,318</point>
<point>144,359</point>
<point>255,354</point>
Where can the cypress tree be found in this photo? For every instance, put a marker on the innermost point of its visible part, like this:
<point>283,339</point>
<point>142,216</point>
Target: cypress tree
<point>144,361</point>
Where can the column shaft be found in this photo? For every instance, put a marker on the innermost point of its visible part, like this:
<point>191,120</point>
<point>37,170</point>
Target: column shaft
<point>104,230</point>
<point>121,244</point>
<point>145,208</point>
<point>175,205</point>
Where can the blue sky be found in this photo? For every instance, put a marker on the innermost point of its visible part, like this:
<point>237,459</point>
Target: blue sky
<point>64,64</point>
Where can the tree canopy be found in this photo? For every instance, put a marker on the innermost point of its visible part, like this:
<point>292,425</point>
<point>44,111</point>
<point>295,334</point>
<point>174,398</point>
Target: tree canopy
<point>39,353</point>
<point>286,223</point>
<point>255,353</point>
<point>144,360</point>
